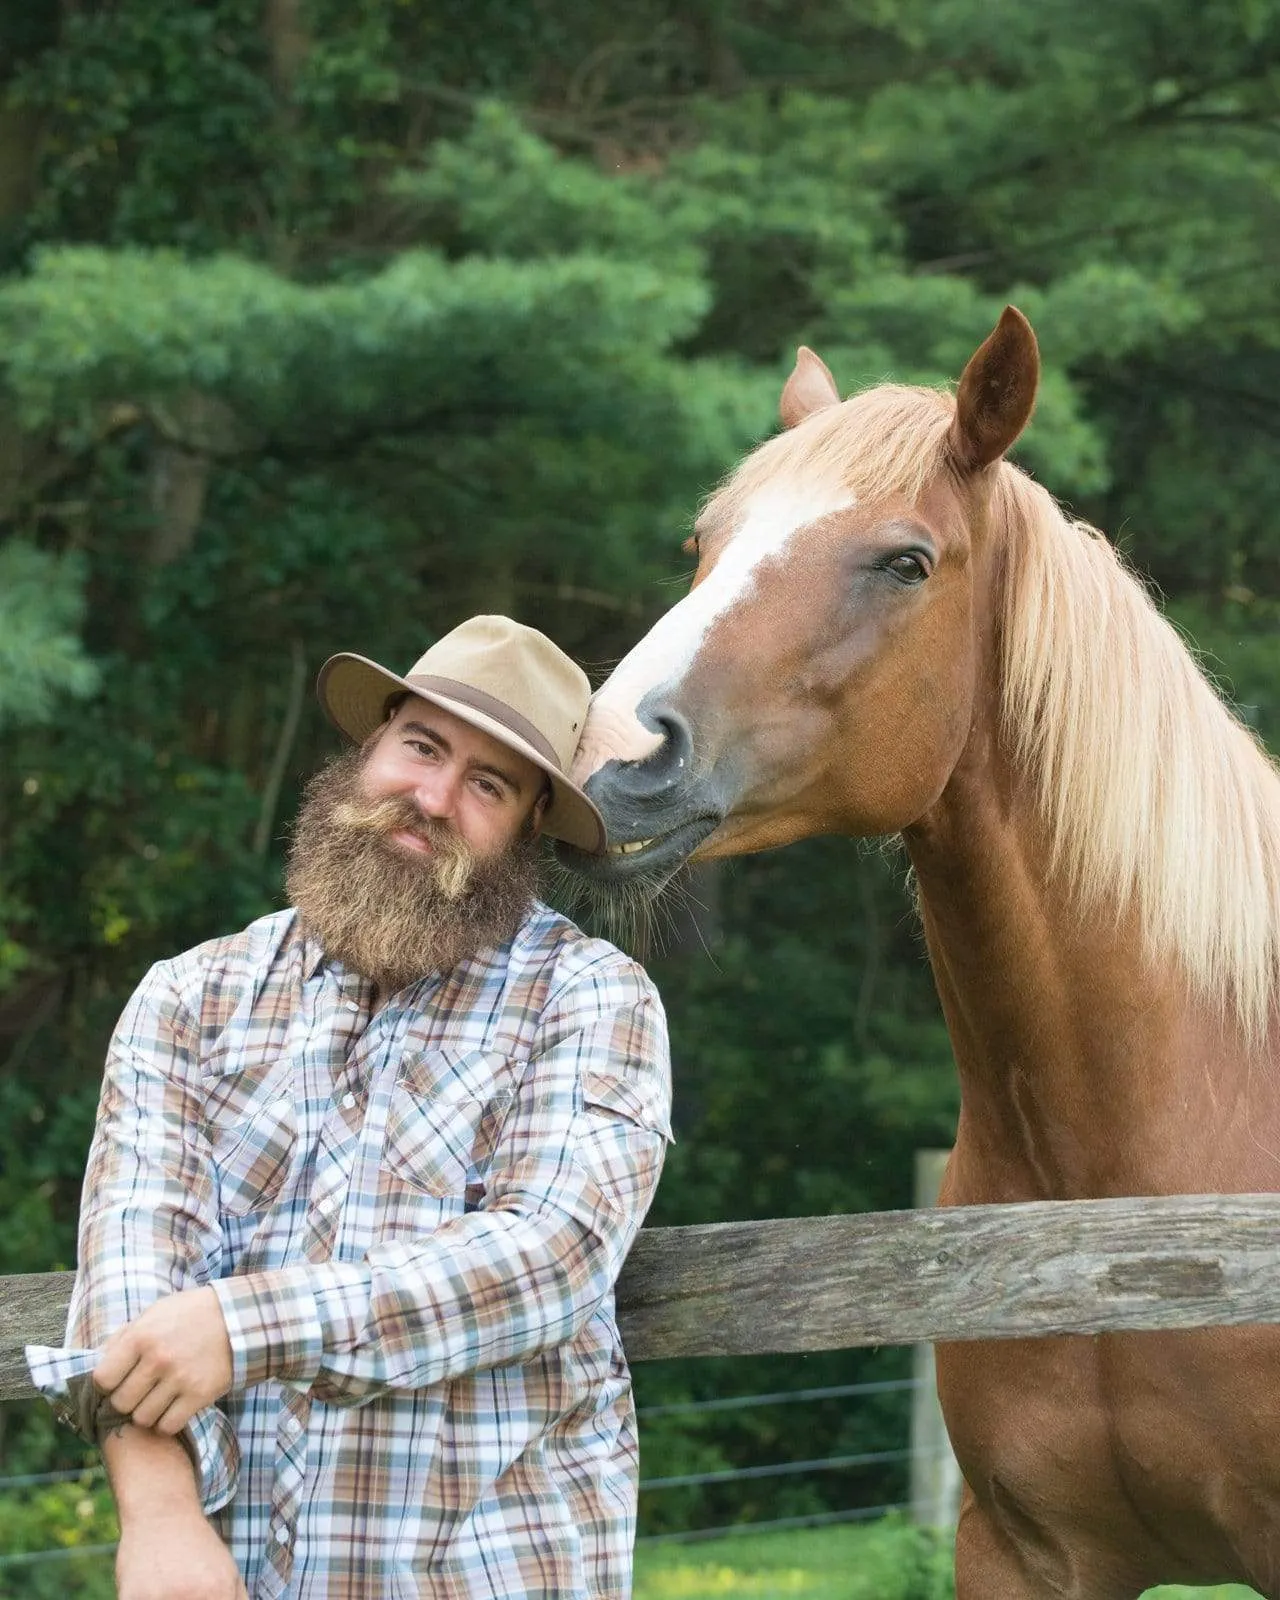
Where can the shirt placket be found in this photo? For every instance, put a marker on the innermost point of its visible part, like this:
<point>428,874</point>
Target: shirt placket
<point>286,1495</point>
<point>332,1115</point>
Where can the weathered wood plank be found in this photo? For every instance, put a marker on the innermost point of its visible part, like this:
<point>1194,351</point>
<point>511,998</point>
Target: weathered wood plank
<point>33,1310</point>
<point>894,1277</point>
<point>971,1272</point>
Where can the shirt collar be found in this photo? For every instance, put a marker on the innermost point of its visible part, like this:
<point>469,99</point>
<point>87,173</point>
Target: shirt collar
<point>313,956</point>
<point>313,960</point>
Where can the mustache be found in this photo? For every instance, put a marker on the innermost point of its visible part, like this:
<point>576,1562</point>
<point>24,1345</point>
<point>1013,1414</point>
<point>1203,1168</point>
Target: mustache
<point>452,859</point>
<point>392,814</point>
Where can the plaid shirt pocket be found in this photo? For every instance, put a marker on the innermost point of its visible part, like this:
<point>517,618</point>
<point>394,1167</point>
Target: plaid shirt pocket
<point>252,1126</point>
<point>443,1122</point>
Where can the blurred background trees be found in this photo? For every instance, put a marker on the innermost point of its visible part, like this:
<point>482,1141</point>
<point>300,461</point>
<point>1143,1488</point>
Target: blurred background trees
<point>323,326</point>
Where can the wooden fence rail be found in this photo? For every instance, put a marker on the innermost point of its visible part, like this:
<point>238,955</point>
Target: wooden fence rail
<point>892,1277</point>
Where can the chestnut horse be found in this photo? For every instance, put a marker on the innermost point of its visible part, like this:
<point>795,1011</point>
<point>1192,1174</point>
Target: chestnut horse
<point>893,630</point>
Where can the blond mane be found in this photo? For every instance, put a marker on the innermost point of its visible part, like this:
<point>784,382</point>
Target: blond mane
<point>1154,795</point>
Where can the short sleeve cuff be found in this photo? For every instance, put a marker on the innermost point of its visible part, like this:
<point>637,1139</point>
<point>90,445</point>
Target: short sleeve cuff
<point>215,1452</point>
<point>341,1291</point>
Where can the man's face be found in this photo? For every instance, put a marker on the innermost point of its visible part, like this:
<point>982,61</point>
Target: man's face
<point>455,775</point>
<point>417,850</point>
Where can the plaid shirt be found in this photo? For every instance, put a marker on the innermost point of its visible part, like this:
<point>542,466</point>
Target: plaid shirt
<point>413,1219</point>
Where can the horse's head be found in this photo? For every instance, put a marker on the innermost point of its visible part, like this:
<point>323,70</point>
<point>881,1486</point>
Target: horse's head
<point>820,675</point>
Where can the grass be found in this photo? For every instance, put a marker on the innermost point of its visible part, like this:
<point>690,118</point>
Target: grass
<point>887,1561</point>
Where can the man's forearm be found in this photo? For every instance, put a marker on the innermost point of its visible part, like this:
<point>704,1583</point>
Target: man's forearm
<point>167,1546</point>
<point>488,1289</point>
<point>151,1475</point>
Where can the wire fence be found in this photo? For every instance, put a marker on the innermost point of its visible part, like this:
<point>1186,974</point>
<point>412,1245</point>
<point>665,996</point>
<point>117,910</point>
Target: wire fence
<point>739,1402</point>
<point>92,1475</point>
<point>816,1519</point>
<point>33,1480</point>
<point>778,1469</point>
<point>69,1552</point>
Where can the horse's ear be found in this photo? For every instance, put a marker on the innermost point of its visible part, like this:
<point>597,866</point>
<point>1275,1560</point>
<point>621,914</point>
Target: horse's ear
<point>810,388</point>
<point>997,391</point>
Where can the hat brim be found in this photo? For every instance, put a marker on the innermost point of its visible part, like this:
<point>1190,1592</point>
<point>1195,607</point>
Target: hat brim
<point>353,692</point>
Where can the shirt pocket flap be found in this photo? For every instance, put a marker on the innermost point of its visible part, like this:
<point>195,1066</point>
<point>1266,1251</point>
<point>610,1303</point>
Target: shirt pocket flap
<point>629,1098</point>
<point>446,1111</point>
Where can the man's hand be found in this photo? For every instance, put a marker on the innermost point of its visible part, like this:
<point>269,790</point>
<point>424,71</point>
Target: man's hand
<point>175,1558</point>
<point>169,1363</point>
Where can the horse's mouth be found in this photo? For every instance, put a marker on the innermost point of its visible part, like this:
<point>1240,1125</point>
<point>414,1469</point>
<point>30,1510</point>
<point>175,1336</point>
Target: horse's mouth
<point>626,860</point>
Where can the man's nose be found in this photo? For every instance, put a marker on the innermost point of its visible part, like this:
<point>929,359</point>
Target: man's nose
<point>436,793</point>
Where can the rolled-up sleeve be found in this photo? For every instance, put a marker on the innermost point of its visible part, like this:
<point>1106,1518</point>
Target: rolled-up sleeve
<point>574,1171</point>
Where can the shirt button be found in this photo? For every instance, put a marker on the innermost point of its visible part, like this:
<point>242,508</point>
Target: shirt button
<point>348,1100</point>
<point>282,1535</point>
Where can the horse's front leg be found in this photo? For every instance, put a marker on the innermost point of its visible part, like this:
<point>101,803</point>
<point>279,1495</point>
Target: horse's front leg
<point>988,1564</point>
<point>991,1564</point>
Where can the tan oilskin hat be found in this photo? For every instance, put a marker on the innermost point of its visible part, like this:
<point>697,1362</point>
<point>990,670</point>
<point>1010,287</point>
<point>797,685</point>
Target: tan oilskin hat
<point>509,681</point>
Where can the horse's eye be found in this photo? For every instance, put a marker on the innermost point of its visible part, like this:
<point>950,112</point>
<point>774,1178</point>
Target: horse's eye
<point>907,568</point>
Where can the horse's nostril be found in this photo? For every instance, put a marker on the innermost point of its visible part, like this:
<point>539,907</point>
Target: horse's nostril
<point>671,757</point>
<point>652,780</point>
<point>673,731</point>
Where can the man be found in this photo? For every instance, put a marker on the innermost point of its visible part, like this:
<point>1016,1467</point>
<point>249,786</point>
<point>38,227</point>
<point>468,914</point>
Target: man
<point>364,1175</point>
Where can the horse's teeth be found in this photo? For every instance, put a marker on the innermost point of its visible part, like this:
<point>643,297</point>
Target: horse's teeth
<point>629,849</point>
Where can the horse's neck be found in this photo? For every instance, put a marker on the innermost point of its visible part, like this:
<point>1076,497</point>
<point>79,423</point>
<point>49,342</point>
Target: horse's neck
<point>1084,1069</point>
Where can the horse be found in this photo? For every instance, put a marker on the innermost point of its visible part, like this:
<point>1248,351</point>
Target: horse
<point>894,630</point>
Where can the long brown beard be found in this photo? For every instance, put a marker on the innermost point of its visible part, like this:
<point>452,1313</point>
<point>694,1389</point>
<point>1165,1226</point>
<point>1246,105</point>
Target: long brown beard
<point>391,916</point>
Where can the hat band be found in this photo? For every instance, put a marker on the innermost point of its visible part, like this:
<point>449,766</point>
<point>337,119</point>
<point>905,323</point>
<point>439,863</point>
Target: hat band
<point>491,706</point>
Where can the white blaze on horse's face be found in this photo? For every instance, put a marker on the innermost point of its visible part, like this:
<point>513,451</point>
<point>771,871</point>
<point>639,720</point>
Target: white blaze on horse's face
<point>664,657</point>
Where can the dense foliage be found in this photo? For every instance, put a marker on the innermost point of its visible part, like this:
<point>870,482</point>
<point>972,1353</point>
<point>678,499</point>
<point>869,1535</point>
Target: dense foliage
<point>323,326</point>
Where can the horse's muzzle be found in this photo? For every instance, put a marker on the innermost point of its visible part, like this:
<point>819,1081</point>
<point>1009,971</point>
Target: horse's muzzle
<point>656,811</point>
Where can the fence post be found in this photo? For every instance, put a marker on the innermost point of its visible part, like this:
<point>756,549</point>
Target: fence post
<point>935,1473</point>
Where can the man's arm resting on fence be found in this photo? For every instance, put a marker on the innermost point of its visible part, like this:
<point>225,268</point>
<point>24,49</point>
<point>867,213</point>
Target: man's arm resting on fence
<point>149,1210</point>
<point>168,1550</point>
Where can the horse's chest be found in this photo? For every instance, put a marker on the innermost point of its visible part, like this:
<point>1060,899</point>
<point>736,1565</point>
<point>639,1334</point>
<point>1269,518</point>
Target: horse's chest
<point>1024,1415</point>
<point>1162,1448</point>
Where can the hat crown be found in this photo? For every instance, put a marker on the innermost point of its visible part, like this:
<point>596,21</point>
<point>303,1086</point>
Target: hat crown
<point>516,665</point>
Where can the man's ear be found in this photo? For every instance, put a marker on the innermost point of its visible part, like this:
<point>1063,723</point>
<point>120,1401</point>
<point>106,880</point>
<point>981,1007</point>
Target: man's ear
<point>539,810</point>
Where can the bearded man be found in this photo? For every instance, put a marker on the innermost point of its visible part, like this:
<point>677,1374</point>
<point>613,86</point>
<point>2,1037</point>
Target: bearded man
<point>363,1178</point>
